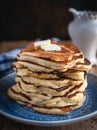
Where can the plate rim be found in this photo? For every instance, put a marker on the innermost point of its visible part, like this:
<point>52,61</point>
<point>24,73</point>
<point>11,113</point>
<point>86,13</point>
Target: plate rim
<point>47,123</point>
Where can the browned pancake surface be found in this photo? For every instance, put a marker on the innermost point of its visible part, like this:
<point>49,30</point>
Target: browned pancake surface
<point>68,51</point>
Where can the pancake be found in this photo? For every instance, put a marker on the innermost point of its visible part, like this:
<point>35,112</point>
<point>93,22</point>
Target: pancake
<point>50,81</point>
<point>45,102</point>
<point>73,74</point>
<point>68,51</point>
<point>54,111</point>
<point>67,63</point>
<point>32,67</point>
<point>51,91</point>
<point>26,69</point>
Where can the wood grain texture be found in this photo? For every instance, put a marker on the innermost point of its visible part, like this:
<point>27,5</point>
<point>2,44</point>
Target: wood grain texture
<point>7,124</point>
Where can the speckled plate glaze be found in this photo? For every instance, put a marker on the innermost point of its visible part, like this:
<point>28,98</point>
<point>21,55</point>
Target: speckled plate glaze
<point>14,111</point>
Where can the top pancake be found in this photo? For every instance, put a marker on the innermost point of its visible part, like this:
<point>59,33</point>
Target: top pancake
<point>67,53</point>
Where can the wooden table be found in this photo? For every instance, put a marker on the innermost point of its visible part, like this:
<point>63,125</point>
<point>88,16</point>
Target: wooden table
<point>7,124</point>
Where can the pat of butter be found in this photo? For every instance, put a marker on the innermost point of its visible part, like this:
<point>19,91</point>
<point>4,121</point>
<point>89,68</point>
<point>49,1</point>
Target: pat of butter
<point>41,43</point>
<point>51,47</point>
<point>46,45</point>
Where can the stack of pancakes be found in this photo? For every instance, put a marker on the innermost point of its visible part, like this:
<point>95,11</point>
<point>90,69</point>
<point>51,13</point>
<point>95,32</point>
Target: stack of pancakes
<point>51,82</point>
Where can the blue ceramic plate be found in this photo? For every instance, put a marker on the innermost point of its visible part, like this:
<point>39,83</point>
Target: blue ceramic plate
<point>14,111</point>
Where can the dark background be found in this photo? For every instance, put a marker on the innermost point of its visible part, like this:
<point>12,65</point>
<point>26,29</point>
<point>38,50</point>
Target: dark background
<point>31,19</point>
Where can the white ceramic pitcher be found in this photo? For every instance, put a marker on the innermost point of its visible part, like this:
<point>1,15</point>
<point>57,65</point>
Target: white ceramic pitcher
<point>83,33</point>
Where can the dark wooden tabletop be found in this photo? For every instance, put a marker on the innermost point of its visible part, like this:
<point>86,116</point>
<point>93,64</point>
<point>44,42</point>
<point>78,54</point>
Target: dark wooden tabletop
<point>8,124</point>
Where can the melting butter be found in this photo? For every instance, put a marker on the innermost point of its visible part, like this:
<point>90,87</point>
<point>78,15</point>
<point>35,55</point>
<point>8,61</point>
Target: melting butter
<point>41,43</point>
<point>51,47</point>
<point>46,46</point>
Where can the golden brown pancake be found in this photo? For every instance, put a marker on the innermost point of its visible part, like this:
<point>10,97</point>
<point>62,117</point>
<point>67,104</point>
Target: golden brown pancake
<point>50,82</point>
<point>67,52</point>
